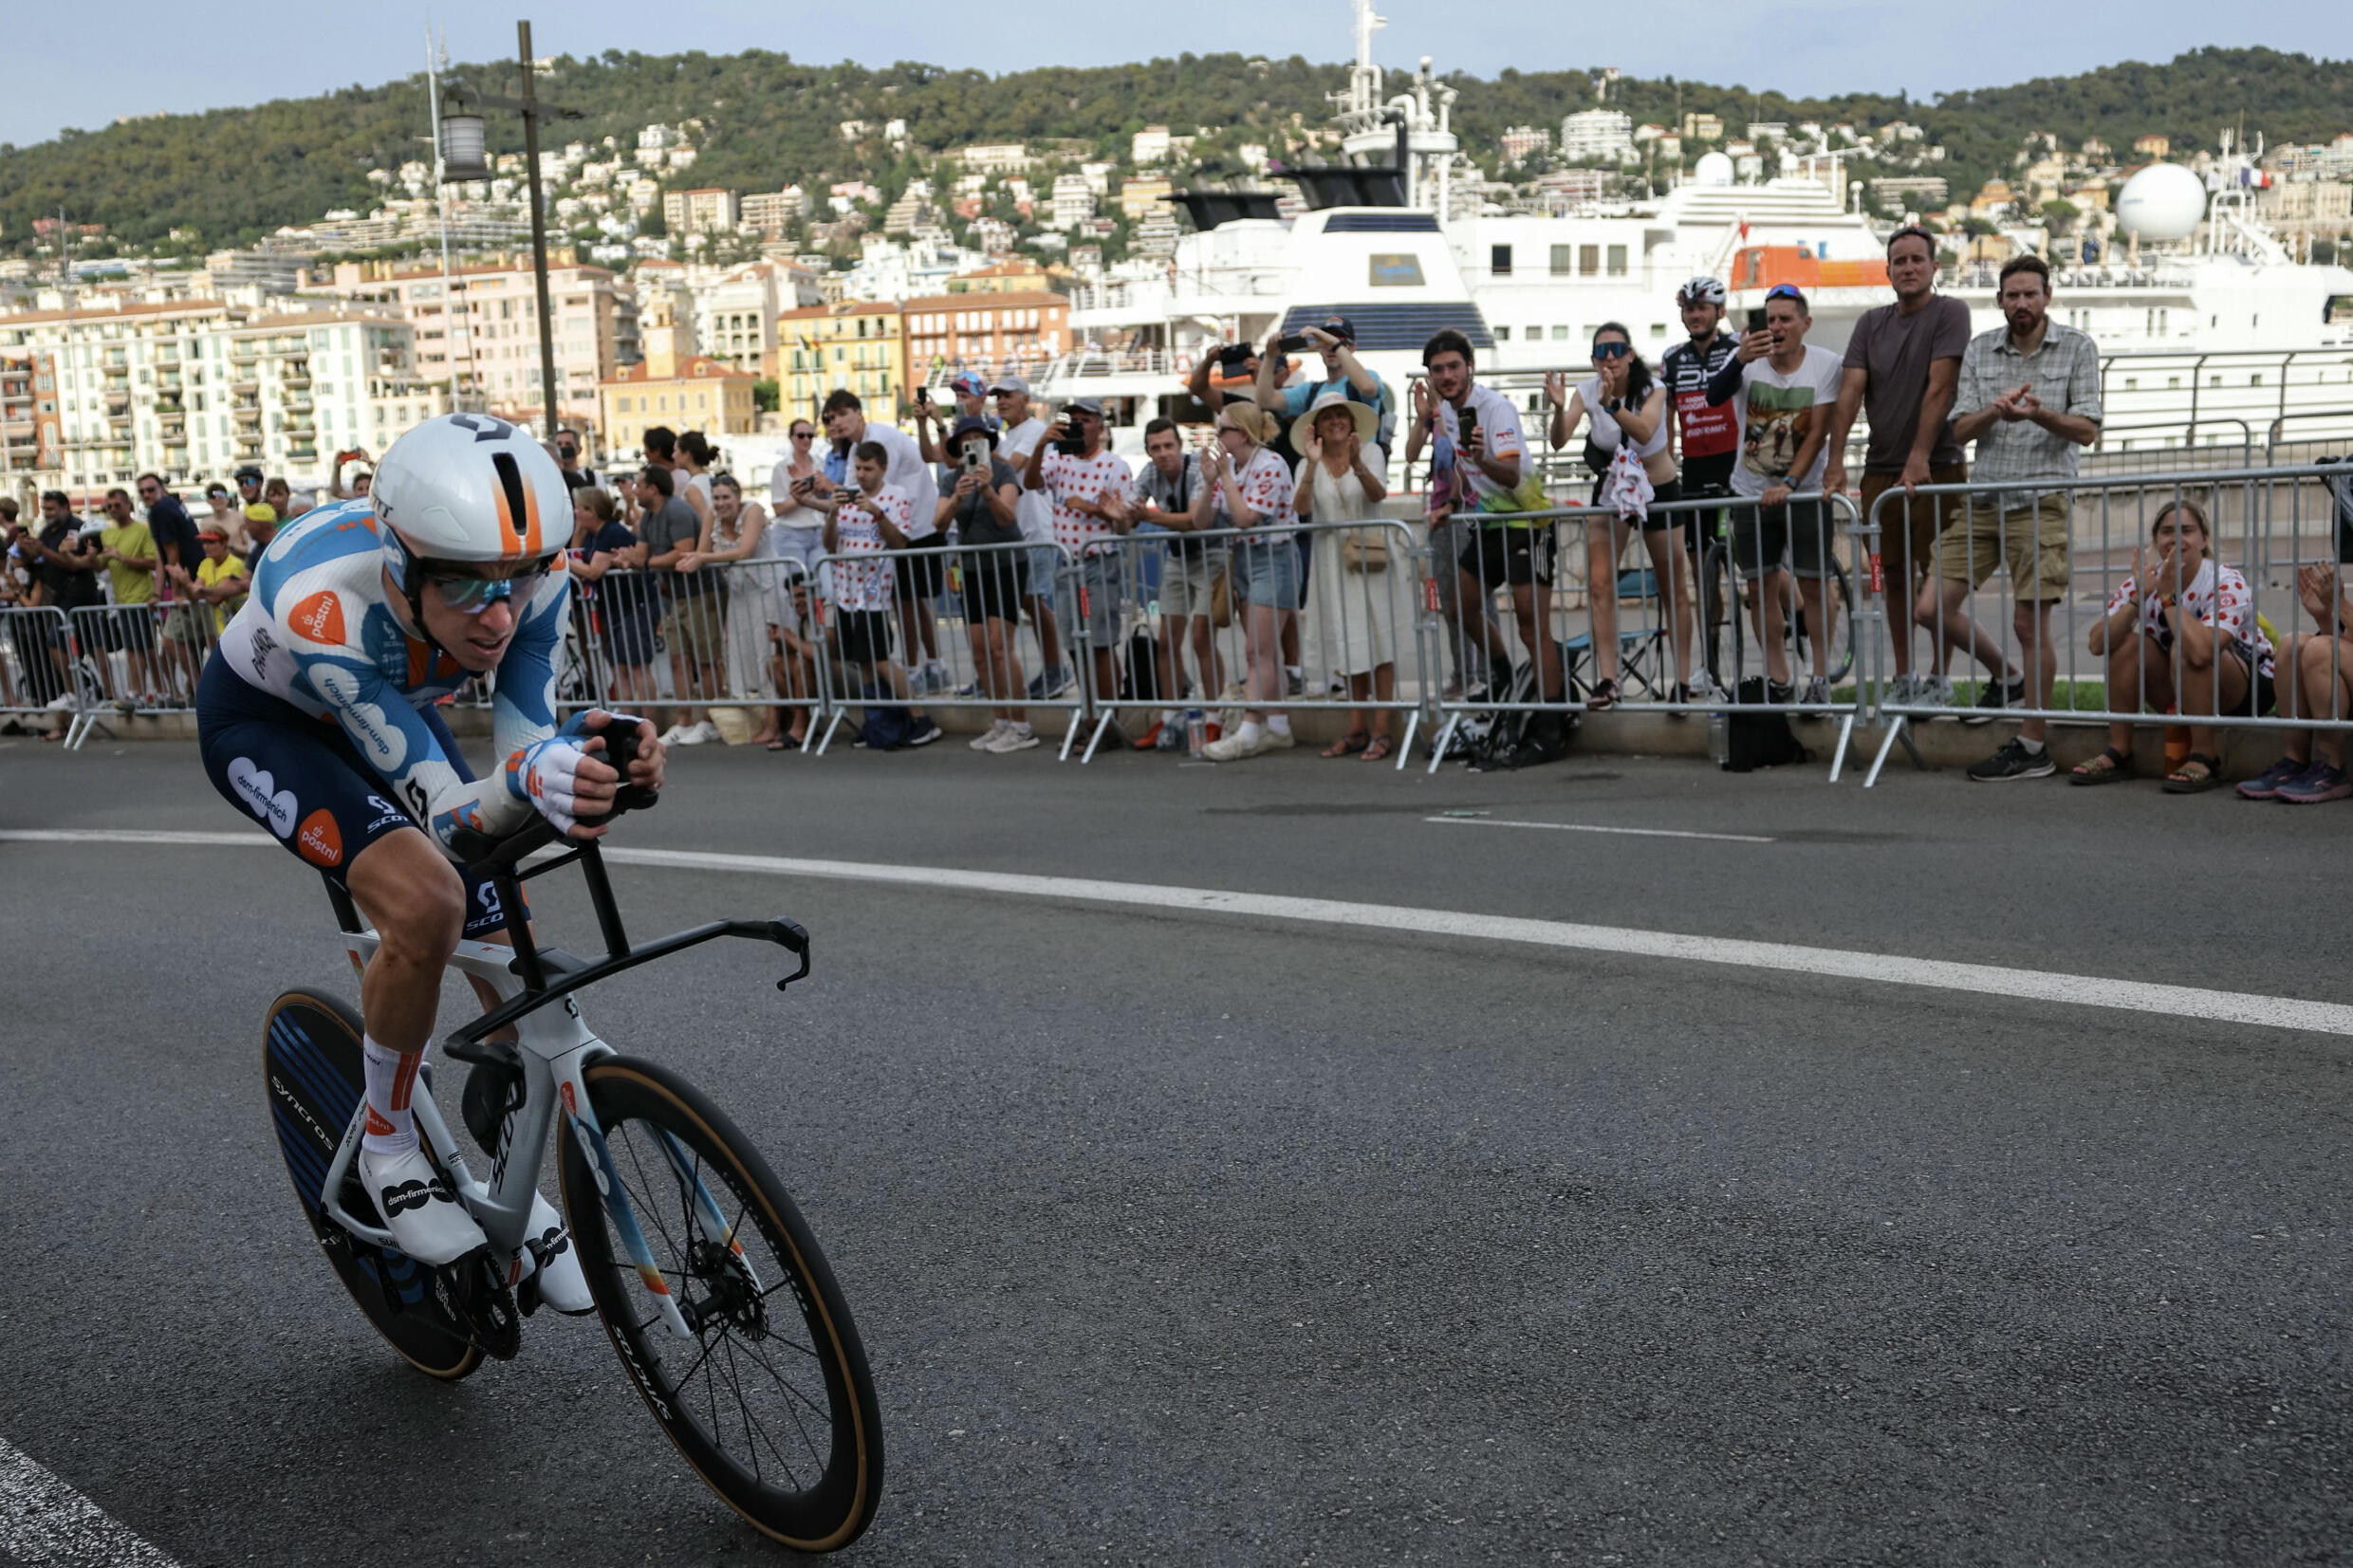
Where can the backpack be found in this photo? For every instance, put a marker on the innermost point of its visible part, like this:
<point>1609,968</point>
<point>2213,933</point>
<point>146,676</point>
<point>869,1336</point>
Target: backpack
<point>1143,674</point>
<point>884,727</point>
<point>1758,740</point>
<point>1519,737</point>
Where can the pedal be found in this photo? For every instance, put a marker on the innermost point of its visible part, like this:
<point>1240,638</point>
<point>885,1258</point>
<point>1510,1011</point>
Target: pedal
<point>472,1292</point>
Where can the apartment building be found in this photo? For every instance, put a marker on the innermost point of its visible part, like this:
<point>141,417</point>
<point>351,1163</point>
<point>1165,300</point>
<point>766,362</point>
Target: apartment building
<point>735,310</point>
<point>194,389</point>
<point>992,333</point>
<point>682,390</point>
<point>482,329</point>
<point>853,343</point>
<point>705,212</point>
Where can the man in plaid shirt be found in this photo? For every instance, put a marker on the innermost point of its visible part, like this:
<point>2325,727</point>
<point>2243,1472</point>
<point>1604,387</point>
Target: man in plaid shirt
<point>2028,396</point>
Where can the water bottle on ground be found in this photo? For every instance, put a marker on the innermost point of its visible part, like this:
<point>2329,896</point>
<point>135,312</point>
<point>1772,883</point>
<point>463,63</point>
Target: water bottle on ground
<point>1197,732</point>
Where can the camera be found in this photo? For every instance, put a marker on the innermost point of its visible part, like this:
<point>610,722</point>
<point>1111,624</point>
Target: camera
<point>1235,359</point>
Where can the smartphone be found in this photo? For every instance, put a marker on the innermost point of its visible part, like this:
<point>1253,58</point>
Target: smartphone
<point>976,457</point>
<point>1291,344</point>
<point>1234,357</point>
<point>923,394</point>
<point>1756,318</point>
<point>1467,421</point>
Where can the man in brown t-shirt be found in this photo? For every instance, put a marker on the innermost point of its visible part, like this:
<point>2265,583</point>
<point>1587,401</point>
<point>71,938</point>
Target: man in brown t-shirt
<point>1902,364</point>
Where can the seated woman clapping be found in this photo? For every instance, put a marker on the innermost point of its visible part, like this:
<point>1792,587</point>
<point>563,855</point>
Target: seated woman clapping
<point>2179,635</point>
<point>2315,682</point>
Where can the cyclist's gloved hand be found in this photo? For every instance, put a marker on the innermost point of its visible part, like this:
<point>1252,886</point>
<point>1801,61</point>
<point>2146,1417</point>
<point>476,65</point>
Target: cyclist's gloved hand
<point>545,774</point>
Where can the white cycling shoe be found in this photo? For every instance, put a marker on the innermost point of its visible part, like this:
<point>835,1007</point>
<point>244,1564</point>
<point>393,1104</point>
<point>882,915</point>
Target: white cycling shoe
<point>423,1215</point>
<point>561,1284</point>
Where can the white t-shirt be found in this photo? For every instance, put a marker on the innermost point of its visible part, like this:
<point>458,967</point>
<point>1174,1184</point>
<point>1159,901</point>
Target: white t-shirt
<point>1268,491</point>
<point>1068,478</point>
<point>779,489</point>
<point>1776,413</point>
<point>1605,430</point>
<point>864,584</point>
<point>1499,432</point>
<point>908,474</point>
<point>1034,512</point>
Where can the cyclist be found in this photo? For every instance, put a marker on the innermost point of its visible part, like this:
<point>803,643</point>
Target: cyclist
<point>1707,437</point>
<point>315,716</point>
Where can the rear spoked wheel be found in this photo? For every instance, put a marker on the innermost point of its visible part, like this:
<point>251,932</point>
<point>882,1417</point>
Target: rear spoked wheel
<point>770,1401</point>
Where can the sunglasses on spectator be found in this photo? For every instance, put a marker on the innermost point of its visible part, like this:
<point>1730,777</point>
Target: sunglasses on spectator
<point>1784,291</point>
<point>1612,350</point>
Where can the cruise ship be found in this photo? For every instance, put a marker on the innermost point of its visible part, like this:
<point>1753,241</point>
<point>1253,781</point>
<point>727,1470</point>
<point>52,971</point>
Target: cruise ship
<point>2213,334</point>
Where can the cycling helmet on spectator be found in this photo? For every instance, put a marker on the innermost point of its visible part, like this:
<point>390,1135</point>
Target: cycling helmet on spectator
<point>1700,291</point>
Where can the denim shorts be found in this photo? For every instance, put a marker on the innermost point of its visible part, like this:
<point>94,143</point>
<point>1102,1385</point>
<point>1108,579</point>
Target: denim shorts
<point>1269,572</point>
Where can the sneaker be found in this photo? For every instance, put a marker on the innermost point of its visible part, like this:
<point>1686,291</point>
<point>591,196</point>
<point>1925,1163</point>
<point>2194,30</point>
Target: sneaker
<point>1993,695</point>
<point>1704,689</point>
<point>1295,683</point>
<point>2266,784</point>
<point>1779,691</point>
<point>1902,691</point>
<point>1049,683</point>
<point>2013,760</point>
<point>1233,747</point>
<point>970,688</point>
<point>925,733</point>
<point>1279,740</point>
<point>687,734</point>
<point>1817,694</point>
<point>935,675</point>
<point>1015,737</point>
<point>675,735</point>
<point>2318,783</point>
<point>981,741</point>
<point>423,1215</point>
<point>708,730</point>
<point>552,1259</point>
<point>1937,692</point>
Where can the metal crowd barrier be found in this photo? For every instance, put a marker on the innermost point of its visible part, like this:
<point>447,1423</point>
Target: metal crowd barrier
<point>144,658</point>
<point>931,656</point>
<point>1713,593</point>
<point>1182,636</point>
<point>2082,538</point>
<point>39,668</point>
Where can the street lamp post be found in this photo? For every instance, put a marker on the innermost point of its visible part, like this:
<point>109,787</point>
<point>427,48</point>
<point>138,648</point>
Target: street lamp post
<point>465,158</point>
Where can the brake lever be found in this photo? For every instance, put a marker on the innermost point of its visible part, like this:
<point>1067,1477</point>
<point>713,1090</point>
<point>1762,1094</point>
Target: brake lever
<point>620,749</point>
<point>795,938</point>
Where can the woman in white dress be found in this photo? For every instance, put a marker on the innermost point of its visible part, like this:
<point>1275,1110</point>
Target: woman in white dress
<point>1356,600</point>
<point>753,602</point>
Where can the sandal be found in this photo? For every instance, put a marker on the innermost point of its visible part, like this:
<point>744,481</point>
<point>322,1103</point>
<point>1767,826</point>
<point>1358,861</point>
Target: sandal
<point>2182,781</point>
<point>1377,750</point>
<point>1603,695</point>
<point>2108,768</point>
<point>1348,744</point>
<point>779,744</point>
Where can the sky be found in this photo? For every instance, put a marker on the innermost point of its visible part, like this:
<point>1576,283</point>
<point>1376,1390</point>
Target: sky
<point>227,52</point>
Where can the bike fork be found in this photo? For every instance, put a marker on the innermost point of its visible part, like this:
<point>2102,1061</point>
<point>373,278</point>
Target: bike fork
<point>706,1207</point>
<point>582,1122</point>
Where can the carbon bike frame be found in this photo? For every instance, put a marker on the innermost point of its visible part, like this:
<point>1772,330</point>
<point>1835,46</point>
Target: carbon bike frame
<point>552,1050</point>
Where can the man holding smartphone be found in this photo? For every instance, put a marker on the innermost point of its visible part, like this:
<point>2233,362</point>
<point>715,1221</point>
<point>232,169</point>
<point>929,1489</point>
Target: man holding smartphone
<point>1078,472</point>
<point>1335,341</point>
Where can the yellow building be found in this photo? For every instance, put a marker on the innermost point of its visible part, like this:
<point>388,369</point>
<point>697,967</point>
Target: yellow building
<point>853,343</point>
<point>685,392</point>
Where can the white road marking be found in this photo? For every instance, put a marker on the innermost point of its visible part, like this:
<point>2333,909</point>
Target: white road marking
<point>1588,827</point>
<point>46,1523</point>
<point>2275,1012</point>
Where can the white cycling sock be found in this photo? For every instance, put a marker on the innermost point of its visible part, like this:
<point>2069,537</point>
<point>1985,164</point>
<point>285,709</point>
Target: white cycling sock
<point>390,1075</point>
<point>1249,730</point>
<point>1279,722</point>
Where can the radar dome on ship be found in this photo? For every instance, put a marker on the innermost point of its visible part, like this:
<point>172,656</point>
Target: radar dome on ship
<point>2162,202</point>
<point>1714,169</point>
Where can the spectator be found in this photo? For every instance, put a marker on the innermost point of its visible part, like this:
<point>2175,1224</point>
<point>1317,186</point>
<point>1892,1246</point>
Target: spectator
<point>1627,406</point>
<point>970,392</point>
<point>261,527</point>
<point>795,531</point>
<point>1077,471</point>
<point>1903,366</point>
<point>177,556</point>
<point>224,516</point>
<point>2316,681</point>
<point>129,629</point>
<point>251,501</point>
<point>1785,392</point>
<point>359,481</point>
<point>1477,447</point>
<point>605,555</point>
<point>1162,499</point>
<point>1707,435</point>
<point>220,578</point>
<point>980,498</point>
<point>65,579</point>
<point>661,447</point>
<point>576,477</point>
<point>1343,374</point>
<point>846,422</point>
<point>1343,476</point>
<point>1020,435</point>
<point>2200,648</point>
<point>279,496</point>
<point>870,520</point>
<point>754,602</point>
<point>792,662</point>
<point>687,600</point>
<point>2030,396</point>
<point>1251,488</point>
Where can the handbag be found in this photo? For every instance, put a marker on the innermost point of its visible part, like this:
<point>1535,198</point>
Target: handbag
<point>1364,550</point>
<point>1221,597</point>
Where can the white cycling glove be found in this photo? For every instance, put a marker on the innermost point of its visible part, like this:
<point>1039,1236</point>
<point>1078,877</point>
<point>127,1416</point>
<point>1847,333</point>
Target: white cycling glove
<point>543,773</point>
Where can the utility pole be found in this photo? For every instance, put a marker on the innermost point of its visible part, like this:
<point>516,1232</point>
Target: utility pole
<point>539,237</point>
<point>441,201</point>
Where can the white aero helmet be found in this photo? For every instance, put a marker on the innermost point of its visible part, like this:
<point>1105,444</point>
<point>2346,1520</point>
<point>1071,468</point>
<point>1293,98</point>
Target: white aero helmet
<point>1700,291</point>
<point>469,490</point>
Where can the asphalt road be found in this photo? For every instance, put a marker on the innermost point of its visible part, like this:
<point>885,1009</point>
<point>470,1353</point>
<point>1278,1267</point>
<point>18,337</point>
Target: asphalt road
<point>1185,1239</point>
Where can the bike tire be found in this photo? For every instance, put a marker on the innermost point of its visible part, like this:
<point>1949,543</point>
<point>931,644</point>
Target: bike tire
<point>310,1070</point>
<point>1721,643</point>
<point>822,1503</point>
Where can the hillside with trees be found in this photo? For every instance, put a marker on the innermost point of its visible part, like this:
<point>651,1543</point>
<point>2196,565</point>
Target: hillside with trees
<point>228,176</point>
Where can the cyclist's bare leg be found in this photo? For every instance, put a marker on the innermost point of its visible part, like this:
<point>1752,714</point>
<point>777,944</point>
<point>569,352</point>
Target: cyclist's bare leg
<point>411,893</point>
